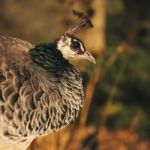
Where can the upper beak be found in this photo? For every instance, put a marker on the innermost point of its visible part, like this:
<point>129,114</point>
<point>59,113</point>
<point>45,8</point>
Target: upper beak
<point>89,57</point>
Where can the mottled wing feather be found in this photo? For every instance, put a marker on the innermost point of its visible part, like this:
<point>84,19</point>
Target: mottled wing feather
<point>12,56</point>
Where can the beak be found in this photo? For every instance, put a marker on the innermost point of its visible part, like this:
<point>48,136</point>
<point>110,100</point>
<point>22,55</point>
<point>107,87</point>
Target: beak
<point>88,56</point>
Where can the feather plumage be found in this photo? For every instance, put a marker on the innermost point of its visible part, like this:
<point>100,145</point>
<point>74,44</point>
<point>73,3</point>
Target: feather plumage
<point>40,91</point>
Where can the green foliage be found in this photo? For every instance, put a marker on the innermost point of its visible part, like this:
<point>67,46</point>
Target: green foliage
<point>122,96</point>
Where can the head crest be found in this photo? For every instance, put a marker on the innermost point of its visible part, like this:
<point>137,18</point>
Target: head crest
<point>81,22</point>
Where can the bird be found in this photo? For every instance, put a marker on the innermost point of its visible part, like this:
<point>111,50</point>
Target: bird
<point>41,91</point>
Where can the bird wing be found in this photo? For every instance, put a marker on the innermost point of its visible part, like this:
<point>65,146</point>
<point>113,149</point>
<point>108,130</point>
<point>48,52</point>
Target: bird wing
<point>13,56</point>
<point>13,50</point>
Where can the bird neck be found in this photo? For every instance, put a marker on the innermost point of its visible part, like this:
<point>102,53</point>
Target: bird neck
<point>48,57</point>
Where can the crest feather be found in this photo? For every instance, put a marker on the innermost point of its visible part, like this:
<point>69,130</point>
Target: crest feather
<point>81,22</point>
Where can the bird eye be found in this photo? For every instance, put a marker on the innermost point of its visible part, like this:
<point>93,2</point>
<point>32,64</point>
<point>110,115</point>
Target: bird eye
<point>75,45</point>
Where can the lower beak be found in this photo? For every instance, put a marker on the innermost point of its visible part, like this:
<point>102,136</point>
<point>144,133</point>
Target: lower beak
<point>89,57</point>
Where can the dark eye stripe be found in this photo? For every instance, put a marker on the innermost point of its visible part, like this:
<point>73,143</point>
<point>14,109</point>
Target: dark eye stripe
<point>75,45</point>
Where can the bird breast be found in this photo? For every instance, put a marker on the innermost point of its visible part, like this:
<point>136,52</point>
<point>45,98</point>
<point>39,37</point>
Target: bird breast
<point>37,103</point>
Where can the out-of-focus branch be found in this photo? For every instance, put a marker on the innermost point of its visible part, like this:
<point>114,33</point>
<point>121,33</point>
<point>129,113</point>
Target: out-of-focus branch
<point>96,77</point>
<point>89,95</point>
<point>98,74</point>
<point>113,92</point>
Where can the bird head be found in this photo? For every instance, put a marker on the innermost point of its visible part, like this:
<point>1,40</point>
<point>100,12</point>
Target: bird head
<point>72,47</point>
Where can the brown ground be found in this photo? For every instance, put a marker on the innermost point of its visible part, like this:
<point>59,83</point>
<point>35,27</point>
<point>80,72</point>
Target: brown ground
<point>87,138</point>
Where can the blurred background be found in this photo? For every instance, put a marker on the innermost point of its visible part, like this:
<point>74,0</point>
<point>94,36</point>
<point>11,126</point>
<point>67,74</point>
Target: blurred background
<point>116,112</point>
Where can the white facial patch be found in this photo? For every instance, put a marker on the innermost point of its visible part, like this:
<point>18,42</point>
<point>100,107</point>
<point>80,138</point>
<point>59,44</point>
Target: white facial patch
<point>64,46</point>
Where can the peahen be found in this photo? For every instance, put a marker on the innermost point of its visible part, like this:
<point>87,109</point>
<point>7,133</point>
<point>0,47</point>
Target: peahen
<point>40,90</point>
